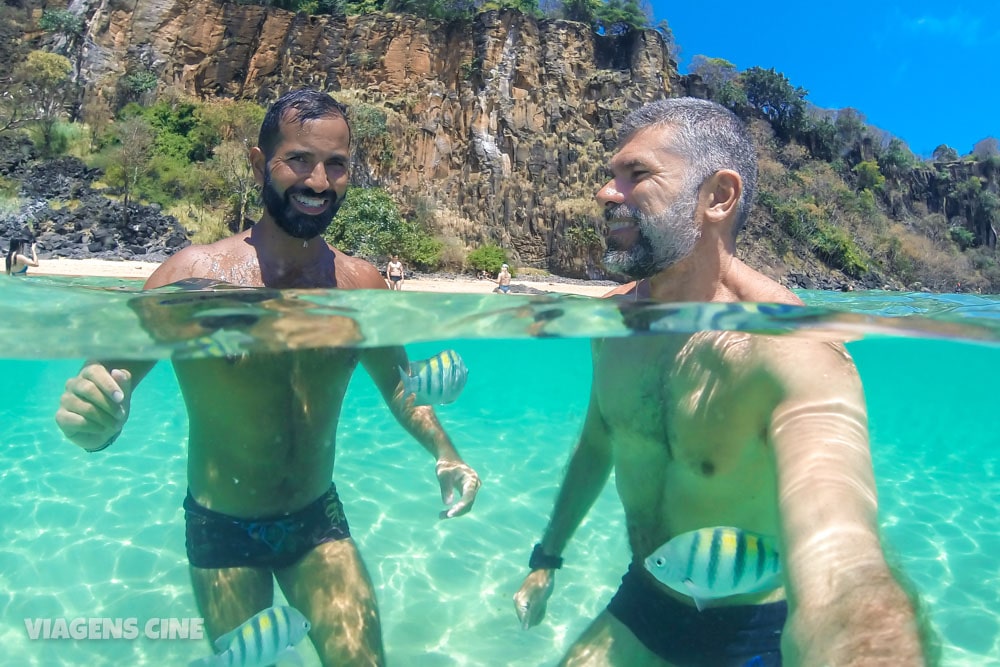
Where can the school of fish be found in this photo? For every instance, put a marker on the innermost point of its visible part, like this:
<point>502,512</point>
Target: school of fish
<point>712,563</point>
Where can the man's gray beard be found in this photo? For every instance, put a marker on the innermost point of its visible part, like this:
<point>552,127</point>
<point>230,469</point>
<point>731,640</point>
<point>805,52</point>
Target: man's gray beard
<point>664,239</point>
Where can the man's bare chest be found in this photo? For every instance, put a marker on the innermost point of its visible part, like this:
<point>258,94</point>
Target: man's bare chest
<point>677,394</point>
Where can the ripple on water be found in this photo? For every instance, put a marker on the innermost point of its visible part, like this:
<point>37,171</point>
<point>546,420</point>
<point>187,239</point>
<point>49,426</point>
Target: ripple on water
<point>974,630</point>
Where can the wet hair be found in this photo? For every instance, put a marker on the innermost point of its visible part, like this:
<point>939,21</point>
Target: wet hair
<point>301,106</point>
<point>16,246</point>
<point>709,137</point>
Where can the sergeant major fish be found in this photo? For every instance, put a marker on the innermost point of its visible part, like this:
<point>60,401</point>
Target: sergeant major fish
<point>435,381</point>
<point>264,639</point>
<point>712,563</point>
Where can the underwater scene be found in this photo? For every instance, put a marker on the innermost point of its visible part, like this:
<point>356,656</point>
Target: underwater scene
<point>101,536</point>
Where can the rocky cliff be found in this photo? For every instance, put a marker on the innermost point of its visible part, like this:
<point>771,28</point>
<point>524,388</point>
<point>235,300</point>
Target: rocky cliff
<point>501,126</point>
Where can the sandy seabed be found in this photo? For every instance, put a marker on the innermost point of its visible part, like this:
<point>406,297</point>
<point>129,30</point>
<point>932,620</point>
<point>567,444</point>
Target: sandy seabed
<point>141,270</point>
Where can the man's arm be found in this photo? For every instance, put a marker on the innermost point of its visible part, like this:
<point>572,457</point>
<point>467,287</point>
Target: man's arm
<point>96,402</point>
<point>846,608</point>
<point>587,473</point>
<point>383,366</point>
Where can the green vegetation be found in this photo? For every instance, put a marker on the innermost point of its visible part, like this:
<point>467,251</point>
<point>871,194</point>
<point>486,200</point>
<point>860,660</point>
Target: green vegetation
<point>369,225</point>
<point>61,21</point>
<point>612,17</point>
<point>834,190</point>
<point>489,258</point>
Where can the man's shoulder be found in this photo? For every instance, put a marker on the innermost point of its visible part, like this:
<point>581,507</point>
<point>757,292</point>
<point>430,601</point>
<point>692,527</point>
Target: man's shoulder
<point>193,261</point>
<point>357,273</point>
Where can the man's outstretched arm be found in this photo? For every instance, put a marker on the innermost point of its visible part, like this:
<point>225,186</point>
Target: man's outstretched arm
<point>846,606</point>
<point>453,474</point>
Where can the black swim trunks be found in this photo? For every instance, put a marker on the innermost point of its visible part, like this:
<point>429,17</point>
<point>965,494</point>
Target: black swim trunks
<point>740,636</point>
<point>217,540</point>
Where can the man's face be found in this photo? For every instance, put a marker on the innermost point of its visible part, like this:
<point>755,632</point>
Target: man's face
<point>304,182</point>
<point>649,206</point>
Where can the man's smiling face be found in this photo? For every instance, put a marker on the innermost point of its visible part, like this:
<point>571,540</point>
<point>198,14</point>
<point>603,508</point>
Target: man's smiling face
<point>306,178</point>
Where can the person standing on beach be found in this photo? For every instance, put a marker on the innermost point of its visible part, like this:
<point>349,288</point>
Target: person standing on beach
<point>503,279</point>
<point>394,273</point>
<point>716,431</point>
<point>261,443</point>
<point>17,257</point>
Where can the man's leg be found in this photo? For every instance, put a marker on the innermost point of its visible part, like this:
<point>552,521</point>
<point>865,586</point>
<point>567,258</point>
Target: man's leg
<point>607,642</point>
<point>228,596</point>
<point>331,587</point>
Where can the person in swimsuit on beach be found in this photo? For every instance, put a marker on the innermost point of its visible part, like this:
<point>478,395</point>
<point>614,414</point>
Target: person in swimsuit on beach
<point>762,433</point>
<point>17,257</point>
<point>503,279</point>
<point>260,504</point>
<point>394,273</point>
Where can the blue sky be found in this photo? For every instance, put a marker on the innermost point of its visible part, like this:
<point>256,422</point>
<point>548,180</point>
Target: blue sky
<point>926,72</point>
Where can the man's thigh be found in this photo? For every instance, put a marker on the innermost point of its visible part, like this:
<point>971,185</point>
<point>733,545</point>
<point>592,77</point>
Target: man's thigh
<point>229,596</point>
<point>608,643</point>
<point>331,587</point>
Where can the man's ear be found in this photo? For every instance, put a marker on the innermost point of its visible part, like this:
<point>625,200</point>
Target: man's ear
<point>257,163</point>
<point>721,196</point>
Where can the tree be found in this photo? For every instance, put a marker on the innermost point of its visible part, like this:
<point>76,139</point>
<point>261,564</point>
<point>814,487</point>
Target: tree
<point>584,11</point>
<point>42,84</point>
<point>237,124</point>
<point>851,128</point>
<point>944,153</point>
<point>715,72</point>
<point>774,98</point>
<point>232,163</point>
<point>819,135</point>
<point>132,156</point>
<point>986,148</point>
<point>617,17</point>
<point>897,158</point>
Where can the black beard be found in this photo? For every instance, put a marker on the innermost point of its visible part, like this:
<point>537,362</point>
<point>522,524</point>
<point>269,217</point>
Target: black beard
<point>295,223</point>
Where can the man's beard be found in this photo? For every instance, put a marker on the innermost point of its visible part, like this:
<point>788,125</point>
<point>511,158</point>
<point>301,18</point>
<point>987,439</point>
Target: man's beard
<point>294,222</point>
<point>663,240</point>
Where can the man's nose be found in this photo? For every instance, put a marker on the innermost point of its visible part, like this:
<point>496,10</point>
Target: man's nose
<point>609,194</point>
<point>317,180</point>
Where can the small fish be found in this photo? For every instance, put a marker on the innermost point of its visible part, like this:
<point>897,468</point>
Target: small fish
<point>712,563</point>
<point>437,380</point>
<point>264,639</point>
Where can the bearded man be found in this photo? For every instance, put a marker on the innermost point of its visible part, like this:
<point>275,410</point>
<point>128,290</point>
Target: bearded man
<point>261,505</point>
<point>722,435</point>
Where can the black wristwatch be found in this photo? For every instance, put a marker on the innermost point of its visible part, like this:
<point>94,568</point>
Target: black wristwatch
<point>542,561</point>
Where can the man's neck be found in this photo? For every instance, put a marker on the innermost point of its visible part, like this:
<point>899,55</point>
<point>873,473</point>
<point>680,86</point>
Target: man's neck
<point>283,257</point>
<point>704,276</point>
<point>279,246</point>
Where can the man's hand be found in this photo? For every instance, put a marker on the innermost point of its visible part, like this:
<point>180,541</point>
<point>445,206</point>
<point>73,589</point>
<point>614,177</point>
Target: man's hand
<point>94,406</point>
<point>530,601</point>
<point>454,475</point>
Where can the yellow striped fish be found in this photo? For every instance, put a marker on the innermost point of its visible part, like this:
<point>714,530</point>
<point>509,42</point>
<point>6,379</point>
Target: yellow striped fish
<point>712,563</point>
<point>264,639</point>
<point>435,381</point>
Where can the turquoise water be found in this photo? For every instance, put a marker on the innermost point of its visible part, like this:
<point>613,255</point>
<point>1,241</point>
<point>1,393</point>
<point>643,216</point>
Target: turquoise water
<point>103,536</point>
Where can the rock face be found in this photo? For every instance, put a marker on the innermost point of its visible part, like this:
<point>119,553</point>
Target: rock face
<point>95,226</point>
<point>500,126</point>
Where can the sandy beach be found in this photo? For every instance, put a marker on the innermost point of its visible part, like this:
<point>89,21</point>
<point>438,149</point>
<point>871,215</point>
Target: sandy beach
<point>141,270</point>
